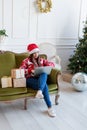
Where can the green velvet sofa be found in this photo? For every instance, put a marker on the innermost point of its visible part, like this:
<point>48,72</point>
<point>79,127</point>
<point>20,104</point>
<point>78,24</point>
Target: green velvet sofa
<point>10,60</point>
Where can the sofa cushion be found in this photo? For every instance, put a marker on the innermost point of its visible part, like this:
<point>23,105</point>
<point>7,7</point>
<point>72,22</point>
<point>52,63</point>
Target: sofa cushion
<point>13,97</point>
<point>12,91</point>
<point>51,88</point>
<point>7,62</point>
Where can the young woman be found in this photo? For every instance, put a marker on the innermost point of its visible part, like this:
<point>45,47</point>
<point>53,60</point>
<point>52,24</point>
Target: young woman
<point>39,82</point>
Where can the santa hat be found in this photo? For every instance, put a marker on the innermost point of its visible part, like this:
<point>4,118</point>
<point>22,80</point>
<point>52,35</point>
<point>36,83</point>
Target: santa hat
<point>32,48</point>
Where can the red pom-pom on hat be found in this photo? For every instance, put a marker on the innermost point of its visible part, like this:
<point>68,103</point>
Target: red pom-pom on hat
<point>32,48</point>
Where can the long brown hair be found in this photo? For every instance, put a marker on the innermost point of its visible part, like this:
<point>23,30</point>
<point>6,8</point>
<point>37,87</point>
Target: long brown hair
<point>36,62</point>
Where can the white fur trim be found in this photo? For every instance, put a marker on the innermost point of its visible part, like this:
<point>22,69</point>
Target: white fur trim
<point>34,50</point>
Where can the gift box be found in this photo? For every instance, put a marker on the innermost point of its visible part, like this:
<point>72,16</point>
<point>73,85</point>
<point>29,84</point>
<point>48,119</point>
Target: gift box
<point>17,73</point>
<point>19,82</point>
<point>6,82</point>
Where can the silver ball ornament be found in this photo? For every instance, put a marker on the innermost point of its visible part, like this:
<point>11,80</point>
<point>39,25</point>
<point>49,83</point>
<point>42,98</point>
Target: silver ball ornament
<point>79,81</point>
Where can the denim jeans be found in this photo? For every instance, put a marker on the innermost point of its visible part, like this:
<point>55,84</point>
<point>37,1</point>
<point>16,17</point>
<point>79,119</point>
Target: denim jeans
<point>40,83</point>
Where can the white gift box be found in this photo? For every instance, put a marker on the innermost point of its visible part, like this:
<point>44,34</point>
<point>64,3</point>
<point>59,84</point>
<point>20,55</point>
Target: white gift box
<point>19,82</point>
<point>17,73</point>
<point>6,82</point>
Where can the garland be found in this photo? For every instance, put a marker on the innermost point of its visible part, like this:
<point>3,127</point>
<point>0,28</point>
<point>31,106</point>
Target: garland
<point>48,5</point>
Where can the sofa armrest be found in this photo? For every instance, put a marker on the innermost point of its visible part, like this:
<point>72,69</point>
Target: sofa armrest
<point>53,77</point>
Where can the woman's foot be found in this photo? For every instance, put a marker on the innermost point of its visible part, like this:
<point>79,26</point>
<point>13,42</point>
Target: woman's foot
<point>51,112</point>
<point>39,94</point>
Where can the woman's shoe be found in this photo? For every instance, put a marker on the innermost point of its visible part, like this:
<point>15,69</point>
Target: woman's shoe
<point>51,112</point>
<point>39,94</point>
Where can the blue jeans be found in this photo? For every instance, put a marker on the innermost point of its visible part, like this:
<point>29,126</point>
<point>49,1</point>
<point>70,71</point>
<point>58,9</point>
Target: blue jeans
<point>40,83</point>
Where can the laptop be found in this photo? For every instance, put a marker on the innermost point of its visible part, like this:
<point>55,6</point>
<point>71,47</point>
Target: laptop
<point>44,69</point>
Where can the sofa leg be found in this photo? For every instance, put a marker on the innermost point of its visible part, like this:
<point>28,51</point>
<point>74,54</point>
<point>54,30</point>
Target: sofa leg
<point>25,104</point>
<point>56,99</point>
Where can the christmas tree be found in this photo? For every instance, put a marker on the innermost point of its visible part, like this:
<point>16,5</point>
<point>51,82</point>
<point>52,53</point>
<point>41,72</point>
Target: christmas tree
<point>78,61</point>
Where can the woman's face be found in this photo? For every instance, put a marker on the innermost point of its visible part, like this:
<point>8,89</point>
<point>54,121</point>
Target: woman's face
<point>35,55</point>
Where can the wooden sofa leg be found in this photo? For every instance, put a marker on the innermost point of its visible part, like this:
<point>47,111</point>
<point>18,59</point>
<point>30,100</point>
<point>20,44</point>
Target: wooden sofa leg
<point>25,104</point>
<point>56,99</point>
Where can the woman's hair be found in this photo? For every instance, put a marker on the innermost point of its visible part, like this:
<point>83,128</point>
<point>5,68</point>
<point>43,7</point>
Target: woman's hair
<point>36,62</point>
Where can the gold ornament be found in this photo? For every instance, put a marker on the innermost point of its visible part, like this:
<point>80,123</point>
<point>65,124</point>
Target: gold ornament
<point>46,8</point>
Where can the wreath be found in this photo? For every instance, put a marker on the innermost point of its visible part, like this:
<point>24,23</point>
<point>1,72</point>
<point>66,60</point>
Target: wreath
<point>46,8</point>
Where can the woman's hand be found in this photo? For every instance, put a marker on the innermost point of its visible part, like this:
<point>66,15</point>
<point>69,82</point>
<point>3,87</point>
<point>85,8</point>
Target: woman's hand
<point>33,71</point>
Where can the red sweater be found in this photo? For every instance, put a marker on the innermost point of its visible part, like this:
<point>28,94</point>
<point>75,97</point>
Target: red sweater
<point>28,66</point>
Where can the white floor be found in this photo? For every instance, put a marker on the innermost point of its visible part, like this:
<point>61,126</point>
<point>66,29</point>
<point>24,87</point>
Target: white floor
<point>71,112</point>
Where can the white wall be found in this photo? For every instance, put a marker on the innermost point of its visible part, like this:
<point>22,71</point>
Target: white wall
<point>61,27</point>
